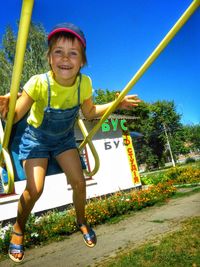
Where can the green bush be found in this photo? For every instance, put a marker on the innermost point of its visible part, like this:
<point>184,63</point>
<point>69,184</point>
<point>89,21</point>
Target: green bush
<point>178,175</point>
<point>190,160</point>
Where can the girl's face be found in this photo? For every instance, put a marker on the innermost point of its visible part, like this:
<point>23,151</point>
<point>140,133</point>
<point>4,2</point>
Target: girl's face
<point>66,60</point>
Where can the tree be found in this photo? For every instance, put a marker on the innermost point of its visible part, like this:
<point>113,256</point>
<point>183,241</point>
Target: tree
<point>35,56</point>
<point>166,122</point>
<point>142,124</point>
<point>104,96</point>
<point>154,121</point>
<point>34,62</point>
<point>5,74</point>
<point>192,137</point>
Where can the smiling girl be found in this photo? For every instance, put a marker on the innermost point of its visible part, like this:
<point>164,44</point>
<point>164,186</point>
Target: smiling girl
<point>53,100</point>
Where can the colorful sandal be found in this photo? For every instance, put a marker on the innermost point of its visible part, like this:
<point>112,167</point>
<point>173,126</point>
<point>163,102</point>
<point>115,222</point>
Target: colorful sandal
<point>16,249</point>
<point>89,237</point>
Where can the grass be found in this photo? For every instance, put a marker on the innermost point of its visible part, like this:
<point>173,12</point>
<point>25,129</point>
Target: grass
<point>180,175</point>
<point>178,249</point>
<point>186,193</point>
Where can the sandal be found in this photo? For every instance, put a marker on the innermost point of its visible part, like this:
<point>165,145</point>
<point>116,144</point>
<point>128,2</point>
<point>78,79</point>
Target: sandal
<point>16,249</point>
<point>89,237</point>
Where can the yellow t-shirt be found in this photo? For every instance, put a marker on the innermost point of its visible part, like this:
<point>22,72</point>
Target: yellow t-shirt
<point>61,97</point>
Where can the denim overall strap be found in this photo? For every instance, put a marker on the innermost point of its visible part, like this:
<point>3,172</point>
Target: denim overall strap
<point>79,89</point>
<point>49,90</point>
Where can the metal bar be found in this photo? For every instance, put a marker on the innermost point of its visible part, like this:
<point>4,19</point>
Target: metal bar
<point>9,188</point>
<point>25,19</point>
<point>177,26</point>
<point>92,149</point>
<point>24,24</point>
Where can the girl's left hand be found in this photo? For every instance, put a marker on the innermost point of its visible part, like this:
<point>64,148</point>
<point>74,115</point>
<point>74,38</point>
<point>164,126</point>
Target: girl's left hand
<point>128,102</point>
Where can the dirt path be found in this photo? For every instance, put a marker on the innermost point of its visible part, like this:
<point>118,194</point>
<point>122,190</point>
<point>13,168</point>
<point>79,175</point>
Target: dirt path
<point>144,225</point>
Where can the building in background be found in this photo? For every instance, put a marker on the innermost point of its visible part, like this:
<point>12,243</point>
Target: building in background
<point>118,168</point>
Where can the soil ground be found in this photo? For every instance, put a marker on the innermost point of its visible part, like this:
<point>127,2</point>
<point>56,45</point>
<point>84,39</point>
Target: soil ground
<point>148,224</point>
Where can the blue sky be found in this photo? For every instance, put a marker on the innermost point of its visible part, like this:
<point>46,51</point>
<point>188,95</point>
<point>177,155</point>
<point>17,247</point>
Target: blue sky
<point>121,35</point>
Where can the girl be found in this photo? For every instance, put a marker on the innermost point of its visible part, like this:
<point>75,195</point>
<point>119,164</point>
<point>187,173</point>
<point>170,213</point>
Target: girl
<point>54,99</point>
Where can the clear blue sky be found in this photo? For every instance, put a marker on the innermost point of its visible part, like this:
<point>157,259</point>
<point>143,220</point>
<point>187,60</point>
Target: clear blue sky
<point>120,37</point>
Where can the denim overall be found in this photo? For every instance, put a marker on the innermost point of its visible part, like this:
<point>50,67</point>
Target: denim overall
<point>55,134</point>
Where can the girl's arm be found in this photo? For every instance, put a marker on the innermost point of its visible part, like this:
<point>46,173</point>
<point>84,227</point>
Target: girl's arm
<point>91,111</point>
<point>23,104</point>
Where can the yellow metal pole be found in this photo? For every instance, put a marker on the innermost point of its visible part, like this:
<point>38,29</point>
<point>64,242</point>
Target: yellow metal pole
<point>25,19</point>
<point>177,26</point>
<point>24,24</point>
<point>92,149</point>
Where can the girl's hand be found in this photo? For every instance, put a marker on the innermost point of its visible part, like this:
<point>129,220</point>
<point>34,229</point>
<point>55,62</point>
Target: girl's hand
<point>4,104</point>
<point>128,102</point>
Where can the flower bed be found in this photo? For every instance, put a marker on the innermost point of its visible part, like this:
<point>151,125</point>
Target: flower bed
<point>178,175</point>
<point>55,225</point>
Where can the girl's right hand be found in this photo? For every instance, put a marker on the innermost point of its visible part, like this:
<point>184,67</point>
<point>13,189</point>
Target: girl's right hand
<point>4,102</point>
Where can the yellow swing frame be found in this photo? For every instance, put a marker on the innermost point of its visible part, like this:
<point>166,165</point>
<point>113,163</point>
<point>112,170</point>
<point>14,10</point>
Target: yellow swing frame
<point>25,19</point>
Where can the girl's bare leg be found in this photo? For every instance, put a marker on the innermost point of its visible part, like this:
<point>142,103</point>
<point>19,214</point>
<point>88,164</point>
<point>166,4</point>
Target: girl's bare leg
<point>35,170</point>
<point>70,163</point>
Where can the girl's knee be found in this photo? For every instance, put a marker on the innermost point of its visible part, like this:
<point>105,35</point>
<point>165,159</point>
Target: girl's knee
<point>78,185</point>
<point>33,194</point>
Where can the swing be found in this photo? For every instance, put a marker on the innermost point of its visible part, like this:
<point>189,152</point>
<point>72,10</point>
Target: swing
<point>5,132</point>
